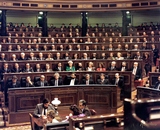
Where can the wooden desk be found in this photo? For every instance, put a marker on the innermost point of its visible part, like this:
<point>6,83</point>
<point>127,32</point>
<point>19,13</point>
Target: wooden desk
<point>153,78</point>
<point>143,92</point>
<point>104,99</point>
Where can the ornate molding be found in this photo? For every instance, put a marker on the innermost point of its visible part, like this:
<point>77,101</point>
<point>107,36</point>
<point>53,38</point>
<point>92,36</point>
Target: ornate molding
<point>62,5</point>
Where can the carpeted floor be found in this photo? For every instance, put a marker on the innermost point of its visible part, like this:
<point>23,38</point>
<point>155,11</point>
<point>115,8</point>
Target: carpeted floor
<point>25,127</point>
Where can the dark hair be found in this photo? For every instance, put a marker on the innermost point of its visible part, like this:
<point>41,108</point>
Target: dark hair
<point>75,110</point>
<point>46,100</point>
<point>83,102</point>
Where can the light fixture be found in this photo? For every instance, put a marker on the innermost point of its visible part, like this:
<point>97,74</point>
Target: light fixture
<point>41,13</point>
<point>0,11</point>
<point>56,102</point>
<point>39,17</point>
<point>127,12</point>
<point>86,12</point>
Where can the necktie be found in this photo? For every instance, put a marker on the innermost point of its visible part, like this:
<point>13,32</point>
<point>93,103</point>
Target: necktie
<point>158,87</point>
<point>44,112</point>
<point>87,82</point>
<point>56,84</point>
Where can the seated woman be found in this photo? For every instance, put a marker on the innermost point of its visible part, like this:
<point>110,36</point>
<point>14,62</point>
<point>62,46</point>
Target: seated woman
<point>75,111</point>
<point>49,56</point>
<point>101,67</point>
<point>111,57</point>
<point>90,67</point>
<point>51,117</point>
<point>70,66</point>
<point>119,57</point>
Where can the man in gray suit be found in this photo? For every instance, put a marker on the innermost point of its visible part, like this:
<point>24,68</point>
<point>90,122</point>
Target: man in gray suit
<point>42,108</point>
<point>83,107</point>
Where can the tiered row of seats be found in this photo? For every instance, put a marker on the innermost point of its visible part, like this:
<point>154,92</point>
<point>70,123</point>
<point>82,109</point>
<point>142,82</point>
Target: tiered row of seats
<point>102,44</point>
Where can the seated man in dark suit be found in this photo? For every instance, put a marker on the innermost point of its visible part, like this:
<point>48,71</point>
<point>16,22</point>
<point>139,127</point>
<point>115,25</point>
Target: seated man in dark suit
<point>16,68</point>
<point>136,71</point>
<point>102,79</point>
<point>57,80</point>
<point>87,80</point>
<point>120,83</point>
<point>83,107</point>
<point>31,56</point>
<point>157,85</point>
<point>112,66</point>
<point>58,67</point>
<point>5,69</point>
<point>123,67</point>
<point>3,58</point>
<point>72,80</point>
<point>14,83</point>
<point>38,68</point>
<point>58,56</point>
<point>28,82</point>
<point>137,56</point>
<point>41,56</point>
<point>28,68</point>
<point>79,67</point>
<point>22,56</point>
<point>42,108</point>
<point>42,82</point>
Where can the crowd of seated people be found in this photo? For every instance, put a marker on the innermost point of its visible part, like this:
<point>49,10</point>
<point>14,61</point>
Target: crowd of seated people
<point>28,68</point>
<point>45,112</point>
<point>150,26</point>
<point>51,48</point>
<point>41,56</point>
<point>88,39</point>
<point>57,80</point>
<point>97,34</point>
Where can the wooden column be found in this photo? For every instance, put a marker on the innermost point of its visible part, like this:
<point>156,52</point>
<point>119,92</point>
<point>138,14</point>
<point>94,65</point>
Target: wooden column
<point>84,23</point>
<point>3,23</point>
<point>44,26</point>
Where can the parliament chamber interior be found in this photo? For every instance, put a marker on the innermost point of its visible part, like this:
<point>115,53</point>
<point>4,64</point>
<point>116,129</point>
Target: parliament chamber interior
<point>79,65</point>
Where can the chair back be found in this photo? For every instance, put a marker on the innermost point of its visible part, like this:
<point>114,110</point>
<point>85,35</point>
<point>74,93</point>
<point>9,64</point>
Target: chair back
<point>31,121</point>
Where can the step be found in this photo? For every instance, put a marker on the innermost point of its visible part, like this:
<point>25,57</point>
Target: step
<point>17,124</point>
<point>2,123</point>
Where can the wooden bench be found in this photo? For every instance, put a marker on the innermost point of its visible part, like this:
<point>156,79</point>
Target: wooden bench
<point>98,122</point>
<point>79,53</point>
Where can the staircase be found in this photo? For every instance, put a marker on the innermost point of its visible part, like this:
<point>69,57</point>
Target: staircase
<point>3,111</point>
